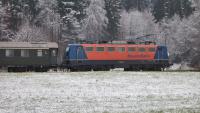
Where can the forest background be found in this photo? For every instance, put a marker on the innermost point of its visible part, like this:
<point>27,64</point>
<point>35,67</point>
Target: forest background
<point>175,23</point>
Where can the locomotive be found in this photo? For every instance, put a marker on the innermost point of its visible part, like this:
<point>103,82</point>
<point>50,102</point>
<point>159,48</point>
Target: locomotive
<point>40,57</point>
<point>103,57</point>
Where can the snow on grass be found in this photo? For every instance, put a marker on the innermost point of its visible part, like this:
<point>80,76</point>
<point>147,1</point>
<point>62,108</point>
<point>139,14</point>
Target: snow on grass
<point>100,92</point>
<point>181,67</point>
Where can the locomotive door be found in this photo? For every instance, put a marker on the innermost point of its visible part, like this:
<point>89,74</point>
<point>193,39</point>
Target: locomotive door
<point>162,53</point>
<point>80,54</point>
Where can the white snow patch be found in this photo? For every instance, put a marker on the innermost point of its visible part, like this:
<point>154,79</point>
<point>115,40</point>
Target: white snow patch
<point>180,67</point>
<point>98,92</point>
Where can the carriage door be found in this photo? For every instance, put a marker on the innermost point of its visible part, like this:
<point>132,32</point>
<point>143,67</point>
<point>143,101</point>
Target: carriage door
<point>53,56</point>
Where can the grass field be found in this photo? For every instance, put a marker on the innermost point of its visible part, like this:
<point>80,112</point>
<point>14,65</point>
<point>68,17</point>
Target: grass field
<point>100,92</point>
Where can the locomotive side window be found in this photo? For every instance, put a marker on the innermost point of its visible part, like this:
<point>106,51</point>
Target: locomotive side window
<point>39,53</point>
<point>152,49</point>
<point>121,49</point>
<point>9,53</point>
<point>24,53</point>
<point>141,49</point>
<point>100,49</point>
<point>111,49</point>
<point>89,49</point>
<point>131,49</point>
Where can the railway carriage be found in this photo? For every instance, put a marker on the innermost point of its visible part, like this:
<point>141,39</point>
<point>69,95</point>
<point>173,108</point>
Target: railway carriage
<point>25,56</point>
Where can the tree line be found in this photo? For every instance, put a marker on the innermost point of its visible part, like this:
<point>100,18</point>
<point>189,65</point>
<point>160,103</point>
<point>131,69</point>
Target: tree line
<point>73,13</point>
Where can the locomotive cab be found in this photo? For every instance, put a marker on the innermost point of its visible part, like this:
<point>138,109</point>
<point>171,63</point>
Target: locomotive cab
<point>75,52</point>
<point>162,56</point>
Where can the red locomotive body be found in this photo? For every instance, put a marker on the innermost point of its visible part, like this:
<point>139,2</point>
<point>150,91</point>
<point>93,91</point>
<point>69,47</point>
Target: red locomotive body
<point>119,51</point>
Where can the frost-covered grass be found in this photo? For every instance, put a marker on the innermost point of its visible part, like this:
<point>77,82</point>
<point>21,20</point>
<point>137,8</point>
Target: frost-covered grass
<point>100,92</point>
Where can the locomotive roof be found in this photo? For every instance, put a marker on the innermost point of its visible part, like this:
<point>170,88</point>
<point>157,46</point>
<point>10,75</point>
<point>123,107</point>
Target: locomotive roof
<point>28,45</point>
<point>114,44</point>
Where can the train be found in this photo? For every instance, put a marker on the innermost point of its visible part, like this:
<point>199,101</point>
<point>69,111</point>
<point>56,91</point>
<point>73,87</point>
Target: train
<point>40,57</point>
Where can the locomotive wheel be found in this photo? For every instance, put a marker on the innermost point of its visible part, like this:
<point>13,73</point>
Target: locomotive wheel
<point>127,69</point>
<point>101,69</point>
<point>83,69</point>
<point>41,69</point>
<point>10,69</point>
<point>157,69</point>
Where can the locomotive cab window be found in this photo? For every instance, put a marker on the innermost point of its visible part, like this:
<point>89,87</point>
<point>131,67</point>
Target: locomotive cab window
<point>152,49</point>
<point>100,49</point>
<point>131,49</point>
<point>121,49</point>
<point>89,49</point>
<point>141,49</point>
<point>39,53</point>
<point>24,53</point>
<point>111,49</point>
<point>9,53</point>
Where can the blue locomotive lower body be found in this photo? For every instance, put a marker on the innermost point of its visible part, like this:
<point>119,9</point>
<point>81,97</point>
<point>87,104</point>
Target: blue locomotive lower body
<point>105,65</point>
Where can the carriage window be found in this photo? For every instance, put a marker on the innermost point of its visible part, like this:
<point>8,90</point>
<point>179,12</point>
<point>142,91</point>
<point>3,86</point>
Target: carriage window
<point>111,49</point>
<point>100,49</point>
<point>39,53</point>
<point>131,49</point>
<point>89,49</point>
<point>121,49</point>
<point>9,53</point>
<point>152,49</point>
<point>141,49</point>
<point>24,53</point>
<point>53,53</point>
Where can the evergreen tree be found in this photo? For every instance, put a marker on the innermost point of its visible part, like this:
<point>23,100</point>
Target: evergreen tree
<point>19,10</point>
<point>30,9</point>
<point>168,8</point>
<point>113,8</point>
<point>139,5</point>
<point>96,21</point>
<point>72,13</point>
<point>5,22</point>
<point>159,10</point>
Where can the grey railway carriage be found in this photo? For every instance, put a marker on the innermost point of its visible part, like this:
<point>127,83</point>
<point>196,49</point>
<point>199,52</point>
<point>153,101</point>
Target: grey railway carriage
<point>25,56</point>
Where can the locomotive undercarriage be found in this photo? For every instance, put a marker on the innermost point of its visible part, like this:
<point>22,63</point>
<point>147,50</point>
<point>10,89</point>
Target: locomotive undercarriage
<point>108,68</point>
<point>75,66</point>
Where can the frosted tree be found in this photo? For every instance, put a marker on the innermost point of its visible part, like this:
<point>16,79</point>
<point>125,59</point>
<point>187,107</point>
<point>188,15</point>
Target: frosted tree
<point>15,13</point>
<point>6,34</point>
<point>72,13</point>
<point>135,24</point>
<point>95,22</point>
<point>195,21</point>
<point>168,8</point>
<point>179,34</point>
<point>113,10</point>
<point>139,5</point>
<point>30,33</point>
<point>49,20</point>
